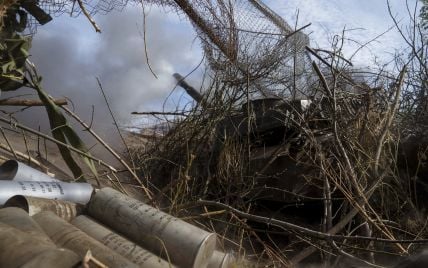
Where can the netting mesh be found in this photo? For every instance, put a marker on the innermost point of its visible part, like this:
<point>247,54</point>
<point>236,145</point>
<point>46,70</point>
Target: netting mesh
<point>56,8</point>
<point>269,43</point>
<point>59,7</point>
<point>253,38</point>
<point>242,33</point>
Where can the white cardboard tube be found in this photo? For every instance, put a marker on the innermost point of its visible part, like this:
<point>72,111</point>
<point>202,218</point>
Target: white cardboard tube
<point>74,192</point>
<point>17,171</point>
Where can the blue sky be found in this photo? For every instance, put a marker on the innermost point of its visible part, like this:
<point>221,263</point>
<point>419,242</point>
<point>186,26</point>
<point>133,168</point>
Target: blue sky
<point>368,18</point>
<point>69,54</point>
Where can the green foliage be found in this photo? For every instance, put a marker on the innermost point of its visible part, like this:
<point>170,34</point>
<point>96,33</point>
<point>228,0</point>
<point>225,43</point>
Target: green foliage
<point>14,68</point>
<point>13,49</point>
<point>63,132</point>
<point>13,54</point>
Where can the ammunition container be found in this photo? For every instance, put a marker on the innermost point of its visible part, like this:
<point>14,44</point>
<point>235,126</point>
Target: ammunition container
<point>20,220</point>
<point>54,258</point>
<point>19,248</point>
<point>68,236</point>
<point>220,260</point>
<point>185,244</point>
<point>118,243</point>
<point>33,205</point>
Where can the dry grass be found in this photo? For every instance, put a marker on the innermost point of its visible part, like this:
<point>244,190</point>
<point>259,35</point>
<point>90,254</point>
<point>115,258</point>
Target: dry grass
<point>326,185</point>
<point>344,148</point>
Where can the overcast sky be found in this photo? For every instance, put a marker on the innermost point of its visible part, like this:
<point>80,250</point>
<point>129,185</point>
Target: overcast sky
<point>69,54</point>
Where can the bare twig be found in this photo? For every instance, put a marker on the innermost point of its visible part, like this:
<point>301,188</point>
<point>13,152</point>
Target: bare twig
<point>8,143</point>
<point>111,150</point>
<point>159,113</point>
<point>146,53</point>
<point>296,228</point>
<point>21,102</point>
<point>26,145</point>
<point>88,16</point>
<point>114,120</point>
<point>22,155</point>
<point>15,124</point>
<point>390,118</point>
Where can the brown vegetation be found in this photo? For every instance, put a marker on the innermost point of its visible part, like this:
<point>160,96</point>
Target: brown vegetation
<point>288,156</point>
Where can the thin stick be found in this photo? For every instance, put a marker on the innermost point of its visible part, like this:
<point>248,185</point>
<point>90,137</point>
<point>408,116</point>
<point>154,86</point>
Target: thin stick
<point>206,214</point>
<point>328,219</point>
<point>86,13</point>
<point>8,143</point>
<point>111,150</point>
<point>23,156</point>
<point>24,102</point>
<point>88,259</point>
<point>99,161</point>
<point>26,145</point>
<point>145,42</point>
<point>352,257</point>
<point>296,228</point>
<point>349,167</point>
<point>114,120</point>
<point>274,34</point>
<point>158,113</point>
<point>391,116</point>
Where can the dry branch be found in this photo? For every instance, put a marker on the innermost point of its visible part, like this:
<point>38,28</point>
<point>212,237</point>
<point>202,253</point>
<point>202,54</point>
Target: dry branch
<point>88,16</point>
<point>71,148</point>
<point>111,150</point>
<point>159,113</point>
<point>296,228</point>
<point>15,102</point>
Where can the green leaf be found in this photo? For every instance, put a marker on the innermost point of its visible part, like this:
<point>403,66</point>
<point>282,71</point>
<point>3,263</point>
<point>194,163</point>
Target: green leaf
<point>13,54</point>
<point>63,132</point>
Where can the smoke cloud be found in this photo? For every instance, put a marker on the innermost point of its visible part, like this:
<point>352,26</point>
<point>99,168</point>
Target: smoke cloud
<point>69,55</point>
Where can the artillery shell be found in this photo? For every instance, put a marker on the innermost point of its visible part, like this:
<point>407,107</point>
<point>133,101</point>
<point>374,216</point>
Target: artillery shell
<point>118,243</point>
<point>33,205</point>
<point>54,258</point>
<point>185,244</point>
<point>220,260</point>
<point>17,247</point>
<point>68,236</point>
<point>20,220</point>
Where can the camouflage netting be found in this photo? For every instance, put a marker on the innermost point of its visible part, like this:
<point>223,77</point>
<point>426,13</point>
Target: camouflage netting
<point>260,45</point>
<point>13,46</point>
<point>17,72</point>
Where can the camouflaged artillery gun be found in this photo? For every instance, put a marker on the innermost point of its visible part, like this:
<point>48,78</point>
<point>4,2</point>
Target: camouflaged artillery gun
<point>271,126</point>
